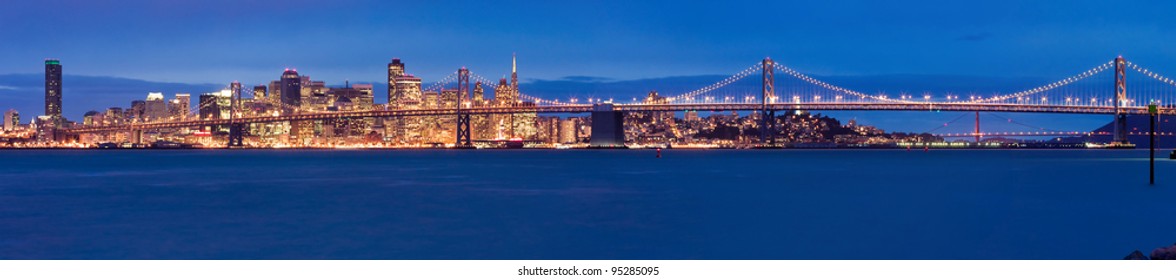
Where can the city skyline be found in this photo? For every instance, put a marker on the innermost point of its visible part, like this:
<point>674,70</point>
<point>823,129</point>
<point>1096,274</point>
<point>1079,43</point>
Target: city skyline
<point>205,43</point>
<point>891,120</point>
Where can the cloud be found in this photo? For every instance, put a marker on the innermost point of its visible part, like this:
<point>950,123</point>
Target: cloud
<point>975,37</point>
<point>4,87</point>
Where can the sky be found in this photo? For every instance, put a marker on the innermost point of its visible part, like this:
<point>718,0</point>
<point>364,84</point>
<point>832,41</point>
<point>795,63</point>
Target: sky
<point>217,41</point>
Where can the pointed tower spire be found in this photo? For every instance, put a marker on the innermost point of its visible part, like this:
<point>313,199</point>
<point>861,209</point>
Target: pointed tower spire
<point>514,75</point>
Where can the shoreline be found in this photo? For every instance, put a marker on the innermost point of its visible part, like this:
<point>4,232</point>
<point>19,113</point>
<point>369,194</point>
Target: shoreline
<point>913,148</point>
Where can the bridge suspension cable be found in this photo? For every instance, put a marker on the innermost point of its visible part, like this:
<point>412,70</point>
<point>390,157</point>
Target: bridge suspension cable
<point>1012,121</point>
<point>1088,73</point>
<point>961,116</point>
<point>722,83</point>
<point>437,86</point>
<point>828,86</point>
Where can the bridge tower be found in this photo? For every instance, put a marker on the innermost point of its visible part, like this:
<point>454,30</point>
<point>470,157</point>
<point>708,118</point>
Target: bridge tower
<point>1120,122</point>
<point>236,130</point>
<point>463,118</point>
<point>767,117</point>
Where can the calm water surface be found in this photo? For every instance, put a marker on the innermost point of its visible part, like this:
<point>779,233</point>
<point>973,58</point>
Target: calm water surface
<point>580,204</point>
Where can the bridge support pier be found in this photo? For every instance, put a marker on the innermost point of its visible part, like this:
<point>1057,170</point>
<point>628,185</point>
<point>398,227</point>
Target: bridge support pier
<point>236,135</point>
<point>608,127</point>
<point>768,128</point>
<point>137,136</point>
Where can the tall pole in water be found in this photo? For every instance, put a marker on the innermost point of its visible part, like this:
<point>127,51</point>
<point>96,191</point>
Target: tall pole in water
<point>1152,111</point>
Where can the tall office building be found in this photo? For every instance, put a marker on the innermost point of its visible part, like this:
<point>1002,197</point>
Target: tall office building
<point>395,70</point>
<point>181,106</point>
<point>114,115</point>
<point>567,131</point>
<point>235,88</point>
<point>215,105</point>
<point>156,108</point>
<point>259,93</point>
<point>408,91</point>
<point>53,90</point>
<point>138,107</point>
<point>11,120</point>
<point>291,85</point>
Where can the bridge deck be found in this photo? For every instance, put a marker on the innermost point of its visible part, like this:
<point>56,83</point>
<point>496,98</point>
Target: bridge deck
<point>1064,109</point>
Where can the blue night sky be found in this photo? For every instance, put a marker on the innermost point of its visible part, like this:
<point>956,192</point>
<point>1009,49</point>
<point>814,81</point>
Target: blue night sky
<point>202,42</point>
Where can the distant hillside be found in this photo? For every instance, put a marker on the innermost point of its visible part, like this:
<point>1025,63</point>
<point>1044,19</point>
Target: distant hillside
<point>1139,125</point>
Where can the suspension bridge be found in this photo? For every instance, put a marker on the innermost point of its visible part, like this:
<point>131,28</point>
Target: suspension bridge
<point>1102,89</point>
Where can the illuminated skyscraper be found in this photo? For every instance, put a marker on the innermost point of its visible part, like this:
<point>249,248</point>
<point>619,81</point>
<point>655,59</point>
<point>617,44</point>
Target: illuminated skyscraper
<point>395,70</point>
<point>53,90</point>
<point>514,74</point>
<point>114,115</point>
<point>567,130</point>
<point>138,107</point>
<point>408,91</point>
<point>181,106</point>
<point>259,93</point>
<point>235,88</point>
<point>156,108</point>
<point>11,120</point>
<point>291,88</point>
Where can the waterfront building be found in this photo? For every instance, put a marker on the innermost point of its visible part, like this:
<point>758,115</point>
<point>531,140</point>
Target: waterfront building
<point>53,90</point>
<point>46,127</point>
<point>408,95</point>
<point>547,129</point>
<point>567,131</point>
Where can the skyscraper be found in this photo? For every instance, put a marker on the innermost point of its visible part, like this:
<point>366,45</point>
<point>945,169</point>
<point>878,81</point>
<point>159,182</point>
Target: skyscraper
<point>53,90</point>
<point>291,88</point>
<point>155,108</point>
<point>235,88</point>
<point>514,75</point>
<point>137,110</point>
<point>259,93</point>
<point>395,70</point>
<point>11,120</point>
<point>182,106</point>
